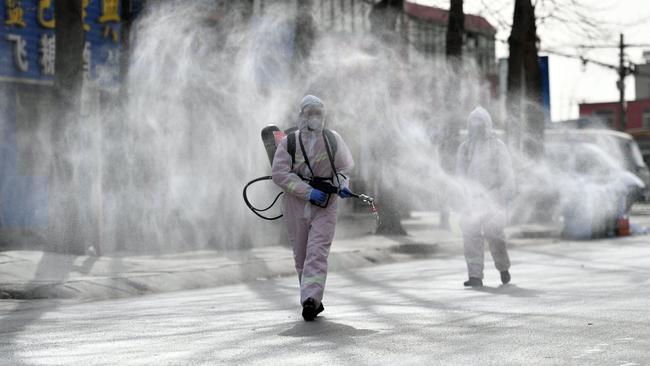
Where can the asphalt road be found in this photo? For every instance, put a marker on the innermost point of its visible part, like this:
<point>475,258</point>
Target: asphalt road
<point>569,304</point>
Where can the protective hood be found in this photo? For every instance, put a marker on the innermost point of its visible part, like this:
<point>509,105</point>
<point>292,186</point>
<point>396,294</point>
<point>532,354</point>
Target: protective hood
<point>307,122</point>
<point>479,125</point>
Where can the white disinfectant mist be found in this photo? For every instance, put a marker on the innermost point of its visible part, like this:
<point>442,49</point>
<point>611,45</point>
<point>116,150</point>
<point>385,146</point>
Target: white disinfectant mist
<point>180,144</point>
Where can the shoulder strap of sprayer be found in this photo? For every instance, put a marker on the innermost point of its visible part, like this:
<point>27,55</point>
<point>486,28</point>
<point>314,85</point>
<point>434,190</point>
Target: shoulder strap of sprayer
<point>291,147</point>
<point>330,145</point>
<point>304,155</point>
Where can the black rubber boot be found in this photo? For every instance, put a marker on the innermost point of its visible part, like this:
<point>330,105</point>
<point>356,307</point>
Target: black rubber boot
<point>505,277</point>
<point>310,311</point>
<point>473,282</point>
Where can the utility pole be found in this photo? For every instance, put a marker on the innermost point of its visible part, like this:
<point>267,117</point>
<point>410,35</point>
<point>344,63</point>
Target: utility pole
<point>622,73</point>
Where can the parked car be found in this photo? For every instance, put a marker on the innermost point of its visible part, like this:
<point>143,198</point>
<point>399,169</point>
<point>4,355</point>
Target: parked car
<point>587,180</point>
<point>621,147</point>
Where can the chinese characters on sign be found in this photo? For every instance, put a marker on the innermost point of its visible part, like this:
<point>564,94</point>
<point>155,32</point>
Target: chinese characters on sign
<point>14,13</point>
<point>87,58</point>
<point>84,14</point>
<point>48,53</point>
<point>28,42</point>
<point>20,51</point>
<point>46,14</point>
<point>110,14</point>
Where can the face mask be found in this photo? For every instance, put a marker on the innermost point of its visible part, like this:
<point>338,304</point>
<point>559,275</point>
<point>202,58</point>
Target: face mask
<point>315,123</point>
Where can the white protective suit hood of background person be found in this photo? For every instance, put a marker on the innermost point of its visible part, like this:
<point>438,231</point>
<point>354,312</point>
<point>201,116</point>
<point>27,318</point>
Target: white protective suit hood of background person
<point>479,125</point>
<point>311,124</point>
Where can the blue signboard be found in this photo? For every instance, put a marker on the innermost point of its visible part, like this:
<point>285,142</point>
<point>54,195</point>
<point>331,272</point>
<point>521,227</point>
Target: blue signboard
<point>27,55</point>
<point>546,87</point>
<point>102,52</point>
<point>28,43</point>
<point>23,199</point>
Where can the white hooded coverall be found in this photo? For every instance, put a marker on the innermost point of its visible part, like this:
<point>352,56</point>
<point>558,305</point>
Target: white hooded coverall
<point>310,228</point>
<point>484,162</point>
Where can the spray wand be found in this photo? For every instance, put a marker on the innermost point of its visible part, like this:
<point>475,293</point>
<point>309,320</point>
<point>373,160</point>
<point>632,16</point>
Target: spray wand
<point>370,202</point>
<point>365,199</point>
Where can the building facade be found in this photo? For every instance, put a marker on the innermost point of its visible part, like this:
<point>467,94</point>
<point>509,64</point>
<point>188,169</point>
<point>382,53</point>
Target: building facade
<point>642,79</point>
<point>638,110</point>
<point>423,27</point>
<point>427,32</point>
<point>638,114</point>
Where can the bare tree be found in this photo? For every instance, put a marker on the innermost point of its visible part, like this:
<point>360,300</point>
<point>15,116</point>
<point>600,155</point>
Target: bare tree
<point>69,45</point>
<point>556,19</point>
<point>524,79</point>
<point>384,17</point>
<point>305,33</point>
<point>455,29</point>
<point>248,6</point>
<point>65,223</point>
<point>451,128</point>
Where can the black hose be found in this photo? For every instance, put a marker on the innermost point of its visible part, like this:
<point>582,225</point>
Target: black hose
<point>256,210</point>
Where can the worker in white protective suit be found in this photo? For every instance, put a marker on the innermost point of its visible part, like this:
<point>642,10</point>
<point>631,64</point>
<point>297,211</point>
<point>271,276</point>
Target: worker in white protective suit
<point>310,213</point>
<point>484,163</point>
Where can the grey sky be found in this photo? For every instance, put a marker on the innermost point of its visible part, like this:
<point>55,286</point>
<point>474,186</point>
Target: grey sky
<point>571,82</point>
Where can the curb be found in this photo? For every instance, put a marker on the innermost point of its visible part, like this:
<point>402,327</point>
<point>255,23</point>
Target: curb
<point>102,288</point>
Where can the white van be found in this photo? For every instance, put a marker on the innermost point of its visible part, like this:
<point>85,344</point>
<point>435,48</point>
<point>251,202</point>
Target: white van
<point>587,180</point>
<point>620,147</point>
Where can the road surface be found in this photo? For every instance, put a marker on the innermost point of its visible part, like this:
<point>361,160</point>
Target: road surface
<point>581,303</point>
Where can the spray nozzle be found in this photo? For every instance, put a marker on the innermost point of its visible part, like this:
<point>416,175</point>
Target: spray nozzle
<point>370,202</point>
<point>366,199</point>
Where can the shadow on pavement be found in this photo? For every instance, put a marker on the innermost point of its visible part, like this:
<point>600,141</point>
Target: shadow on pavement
<point>53,268</point>
<point>262,289</point>
<point>509,290</point>
<point>323,328</point>
<point>87,265</point>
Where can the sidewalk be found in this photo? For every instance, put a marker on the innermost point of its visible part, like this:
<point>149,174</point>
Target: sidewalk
<point>41,275</point>
<point>44,275</point>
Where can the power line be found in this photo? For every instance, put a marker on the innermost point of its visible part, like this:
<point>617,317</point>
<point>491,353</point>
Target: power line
<point>585,60</point>
<point>596,46</point>
<point>623,69</point>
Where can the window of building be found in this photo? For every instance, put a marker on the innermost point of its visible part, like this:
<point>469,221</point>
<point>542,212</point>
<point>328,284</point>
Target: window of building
<point>645,119</point>
<point>607,116</point>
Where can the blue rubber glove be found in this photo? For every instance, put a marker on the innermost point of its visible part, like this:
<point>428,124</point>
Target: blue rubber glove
<point>317,196</point>
<point>345,193</point>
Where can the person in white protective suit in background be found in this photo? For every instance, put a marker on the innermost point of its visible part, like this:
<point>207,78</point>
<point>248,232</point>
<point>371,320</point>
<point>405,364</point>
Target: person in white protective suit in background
<point>484,163</point>
<point>310,226</point>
